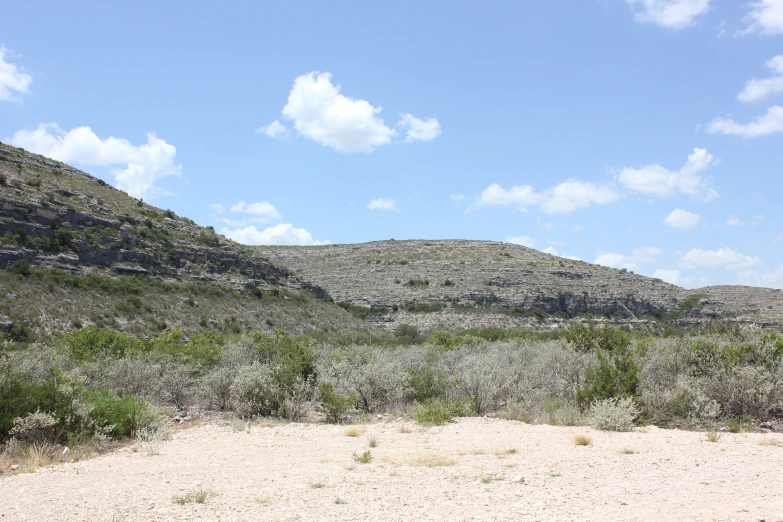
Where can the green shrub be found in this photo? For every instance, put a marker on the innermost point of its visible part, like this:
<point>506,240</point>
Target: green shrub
<point>427,383</point>
<point>332,404</point>
<point>125,416</point>
<point>436,412</point>
<point>91,344</point>
<point>20,266</point>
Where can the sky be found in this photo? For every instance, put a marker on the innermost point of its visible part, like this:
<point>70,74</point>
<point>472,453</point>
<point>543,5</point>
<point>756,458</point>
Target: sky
<point>637,134</point>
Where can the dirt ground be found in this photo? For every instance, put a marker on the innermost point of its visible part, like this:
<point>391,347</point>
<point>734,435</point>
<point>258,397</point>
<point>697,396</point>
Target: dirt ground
<point>471,469</point>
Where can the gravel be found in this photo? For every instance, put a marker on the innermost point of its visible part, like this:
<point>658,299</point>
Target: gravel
<point>471,469</point>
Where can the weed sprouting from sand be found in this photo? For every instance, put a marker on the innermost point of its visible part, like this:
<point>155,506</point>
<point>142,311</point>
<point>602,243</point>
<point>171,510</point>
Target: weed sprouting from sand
<point>197,496</point>
<point>363,458</point>
<point>238,424</point>
<point>338,501</point>
<point>627,451</point>
<point>373,442</point>
<point>771,442</point>
<point>582,440</point>
<point>354,431</point>
<point>318,485</point>
<point>713,436</point>
<point>489,479</point>
<point>150,438</point>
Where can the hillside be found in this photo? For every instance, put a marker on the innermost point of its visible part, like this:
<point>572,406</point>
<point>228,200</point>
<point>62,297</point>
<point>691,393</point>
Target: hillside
<point>458,284</point>
<point>79,252</point>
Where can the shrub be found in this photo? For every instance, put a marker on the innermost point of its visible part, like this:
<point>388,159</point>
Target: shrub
<point>427,383</point>
<point>332,404</point>
<point>255,391</point>
<point>92,343</point>
<point>20,266</point>
<point>436,412</point>
<point>363,458</point>
<point>34,427</point>
<point>613,414</point>
<point>123,416</point>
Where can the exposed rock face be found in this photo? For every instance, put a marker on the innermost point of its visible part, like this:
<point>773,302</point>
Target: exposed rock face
<point>55,216</point>
<point>473,278</point>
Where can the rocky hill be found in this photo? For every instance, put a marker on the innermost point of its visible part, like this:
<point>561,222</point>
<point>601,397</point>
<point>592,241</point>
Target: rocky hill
<point>459,284</point>
<point>77,251</point>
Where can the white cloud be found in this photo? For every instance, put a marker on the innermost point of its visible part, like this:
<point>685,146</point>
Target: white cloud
<point>656,180</point>
<point>261,210</point>
<point>14,81</point>
<point>683,219</point>
<point>419,130</point>
<point>318,111</point>
<point>457,197</point>
<point>670,276</point>
<point>273,130</point>
<point>382,204</point>
<point>144,164</point>
<point>321,113</point>
<point>638,257</point>
<point>673,14</point>
<point>722,258</point>
<point>777,239</point>
<point>756,89</point>
<point>280,234</point>
<point>561,199</point>
<point>765,17</point>
<point>769,278</point>
<point>553,251</point>
<point>734,221</point>
<point>769,123</point>
<point>522,240</point>
<point>216,208</point>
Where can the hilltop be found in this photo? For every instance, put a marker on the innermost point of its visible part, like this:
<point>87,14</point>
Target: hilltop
<point>457,284</point>
<point>90,254</point>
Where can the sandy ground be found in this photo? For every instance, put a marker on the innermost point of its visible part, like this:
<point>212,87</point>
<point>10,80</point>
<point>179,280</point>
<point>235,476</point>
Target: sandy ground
<point>472,469</point>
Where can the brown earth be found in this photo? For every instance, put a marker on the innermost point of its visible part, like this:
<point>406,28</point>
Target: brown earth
<point>471,469</point>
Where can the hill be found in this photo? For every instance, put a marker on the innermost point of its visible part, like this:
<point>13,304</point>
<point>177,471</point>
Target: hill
<point>77,251</point>
<point>456,284</point>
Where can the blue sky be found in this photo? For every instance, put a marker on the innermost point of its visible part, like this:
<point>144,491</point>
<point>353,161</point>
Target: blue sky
<point>645,134</point>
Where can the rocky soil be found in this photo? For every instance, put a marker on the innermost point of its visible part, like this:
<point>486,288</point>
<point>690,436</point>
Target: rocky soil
<point>516,285</point>
<point>472,469</point>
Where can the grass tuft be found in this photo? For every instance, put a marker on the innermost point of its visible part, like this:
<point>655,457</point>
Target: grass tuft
<point>582,440</point>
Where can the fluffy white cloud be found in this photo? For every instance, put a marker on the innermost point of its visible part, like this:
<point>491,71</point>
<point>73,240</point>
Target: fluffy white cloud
<point>670,276</point>
<point>757,89</point>
<point>522,240</point>
<point>561,199</point>
<point>144,164</point>
<point>722,258</point>
<point>769,123</point>
<point>280,234</point>
<point>419,130</point>
<point>321,113</point>
<point>656,180</point>
<point>273,130</point>
<point>634,261</point>
<point>261,211</point>
<point>217,208</point>
<point>14,81</point>
<point>768,278</point>
<point>674,14</point>
<point>318,111</point>
<point>683,219</point>
<point>765,17</point>
<point>382,204</point>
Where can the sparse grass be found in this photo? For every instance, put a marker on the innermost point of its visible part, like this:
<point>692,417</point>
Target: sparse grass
<point>373,442</point>
<point>431,460</point>
<point>150,439</point>
<point>555,475</point>
<point>771,442</point>
<point>238,424</point>
<point>338,501</point>
<point>318,485</point>
<point>627,451</point>
<point>354,431</point>
<point>713,436</point>
<point>489,479</point>
<point>197,496</point>
<point>363,458</point>
<point>582,440</point>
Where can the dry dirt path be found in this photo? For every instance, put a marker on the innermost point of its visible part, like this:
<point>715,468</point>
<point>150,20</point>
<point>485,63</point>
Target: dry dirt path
<point>462,471</point>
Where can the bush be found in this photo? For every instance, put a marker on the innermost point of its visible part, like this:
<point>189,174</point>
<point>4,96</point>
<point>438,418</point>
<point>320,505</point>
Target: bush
<point>255,391</point>
<point>436,412</point>
<point>332,404</point>
<point>20,266</point>
<point>123,417</point>
<point>92,343</point>
<point>613,414</point>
